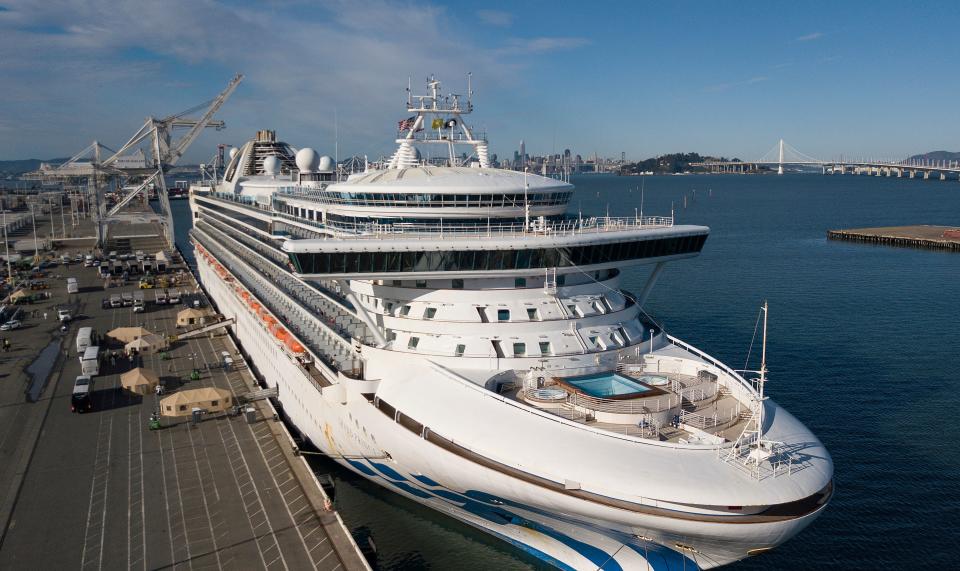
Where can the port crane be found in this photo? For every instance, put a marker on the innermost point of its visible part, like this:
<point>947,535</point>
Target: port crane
<point>165,152</point>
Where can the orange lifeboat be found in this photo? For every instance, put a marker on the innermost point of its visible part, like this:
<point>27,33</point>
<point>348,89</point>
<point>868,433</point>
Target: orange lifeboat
<point>281,334</point>
<point>294,346</point>
<point>268,320</point>
<point>255,306</point>
<point>245,295</point>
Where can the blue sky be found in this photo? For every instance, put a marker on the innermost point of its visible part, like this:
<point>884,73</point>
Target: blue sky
<point>725,78</point>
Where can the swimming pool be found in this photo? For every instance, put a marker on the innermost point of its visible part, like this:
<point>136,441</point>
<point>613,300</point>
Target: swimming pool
<point>606,385</point>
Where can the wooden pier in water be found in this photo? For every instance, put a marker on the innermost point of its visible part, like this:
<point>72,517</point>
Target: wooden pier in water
<point>924,236</point>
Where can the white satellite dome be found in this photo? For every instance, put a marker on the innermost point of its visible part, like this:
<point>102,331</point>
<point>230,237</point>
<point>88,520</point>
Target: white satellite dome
<point>307,160</point>
<point>233,152</point>
<point>326,164</point>
<point>271,165</point>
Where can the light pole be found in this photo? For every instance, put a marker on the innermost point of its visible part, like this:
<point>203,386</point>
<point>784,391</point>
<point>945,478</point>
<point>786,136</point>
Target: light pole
<point>36,247</point>
<point>6,242</point>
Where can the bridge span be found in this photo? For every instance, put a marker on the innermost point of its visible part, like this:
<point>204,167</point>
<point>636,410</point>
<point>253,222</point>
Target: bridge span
<point>783,155</point>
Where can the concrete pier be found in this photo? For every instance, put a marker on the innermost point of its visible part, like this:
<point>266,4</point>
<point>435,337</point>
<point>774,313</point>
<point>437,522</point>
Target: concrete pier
<point>945,238</point>
<point>101,490</point>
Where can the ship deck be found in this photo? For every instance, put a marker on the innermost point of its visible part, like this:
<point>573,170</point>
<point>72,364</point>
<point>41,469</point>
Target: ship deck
<point>704,409</point>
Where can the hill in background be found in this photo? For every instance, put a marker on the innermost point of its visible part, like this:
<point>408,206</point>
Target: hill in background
<point>937,156</point>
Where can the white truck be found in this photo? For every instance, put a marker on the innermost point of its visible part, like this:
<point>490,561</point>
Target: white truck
<point>138,304</point>
<point>84,339</point>
<point>90,361</point>
<point>72,285</point>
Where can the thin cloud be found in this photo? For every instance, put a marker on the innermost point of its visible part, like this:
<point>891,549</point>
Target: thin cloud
<point>810,37</point>
<point>497,18</point>
<point>545,44</point>
<point>343,57</point>
<point>721,87</point>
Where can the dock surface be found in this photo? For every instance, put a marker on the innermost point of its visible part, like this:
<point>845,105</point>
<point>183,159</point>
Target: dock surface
<point>100,490</point>
<point>927,237</point>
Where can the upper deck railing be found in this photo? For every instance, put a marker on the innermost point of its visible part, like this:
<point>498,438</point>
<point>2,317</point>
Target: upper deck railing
<point>440,229</point>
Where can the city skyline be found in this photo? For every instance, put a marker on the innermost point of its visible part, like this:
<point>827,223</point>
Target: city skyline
<point>643,80</point>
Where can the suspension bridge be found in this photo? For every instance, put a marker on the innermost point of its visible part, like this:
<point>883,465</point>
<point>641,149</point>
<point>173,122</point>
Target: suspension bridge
<point>783,155</point>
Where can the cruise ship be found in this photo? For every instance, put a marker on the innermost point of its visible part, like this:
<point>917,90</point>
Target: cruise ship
<point>448,330</point>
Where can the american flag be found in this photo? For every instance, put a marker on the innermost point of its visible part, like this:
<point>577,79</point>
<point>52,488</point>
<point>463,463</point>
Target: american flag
<point>406,124</point>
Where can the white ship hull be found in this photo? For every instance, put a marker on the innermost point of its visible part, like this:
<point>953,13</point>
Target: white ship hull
<point>566,532</point>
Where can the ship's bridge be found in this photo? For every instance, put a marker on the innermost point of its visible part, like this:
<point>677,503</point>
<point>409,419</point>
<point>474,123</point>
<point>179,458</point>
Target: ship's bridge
<point>424,194</point>
<point>476,250</point>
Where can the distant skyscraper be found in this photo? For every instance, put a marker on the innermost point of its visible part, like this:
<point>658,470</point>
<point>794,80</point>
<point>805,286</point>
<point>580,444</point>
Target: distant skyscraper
<point>523,154</point>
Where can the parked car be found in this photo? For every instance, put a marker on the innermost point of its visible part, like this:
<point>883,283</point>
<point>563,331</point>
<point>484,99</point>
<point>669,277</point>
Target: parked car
<point>10,325</point>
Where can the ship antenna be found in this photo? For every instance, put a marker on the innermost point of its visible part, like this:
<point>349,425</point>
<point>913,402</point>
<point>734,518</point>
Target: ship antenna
<point>763,377</point>
<point>526,203</point>
<point>643,184</point>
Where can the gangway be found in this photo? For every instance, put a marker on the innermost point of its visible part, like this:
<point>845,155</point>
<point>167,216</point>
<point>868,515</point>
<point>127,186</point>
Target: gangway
<point>258,395</point>
<point>201,330</point>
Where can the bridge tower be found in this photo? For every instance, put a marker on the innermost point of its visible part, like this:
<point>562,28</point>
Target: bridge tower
<point>780,162</point>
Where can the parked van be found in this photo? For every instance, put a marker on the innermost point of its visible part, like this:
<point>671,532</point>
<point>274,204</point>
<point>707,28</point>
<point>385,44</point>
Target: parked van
<point>88,261</point>
<point>84,339</point>
<point>72,286</point>
<point>90,361</point>
<point>173,296</point>
<point>126,299</point>
<point>138,304</point>
<point>80,399</point>
<point>116,300</point>
<point>161,297</point>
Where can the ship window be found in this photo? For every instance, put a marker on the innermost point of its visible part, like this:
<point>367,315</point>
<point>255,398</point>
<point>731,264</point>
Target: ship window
<point>592,339</point>
<point>412,343</point>
<point>532,314</point>
<point>457,284</point>
<point>405,310</point>
<point>421,283</point>
<point>389,307</point>
<point>545,348</point>
<point>520,282</point>
<point>519,349</point>
<point>503,315</point>
<point>461,349</point>
<point>430,313</point>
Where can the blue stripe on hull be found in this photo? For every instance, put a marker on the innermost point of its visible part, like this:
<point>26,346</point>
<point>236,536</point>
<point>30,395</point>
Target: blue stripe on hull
<point>490,508</point>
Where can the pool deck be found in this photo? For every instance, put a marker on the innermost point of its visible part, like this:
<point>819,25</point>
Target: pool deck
<point>102,491</point>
